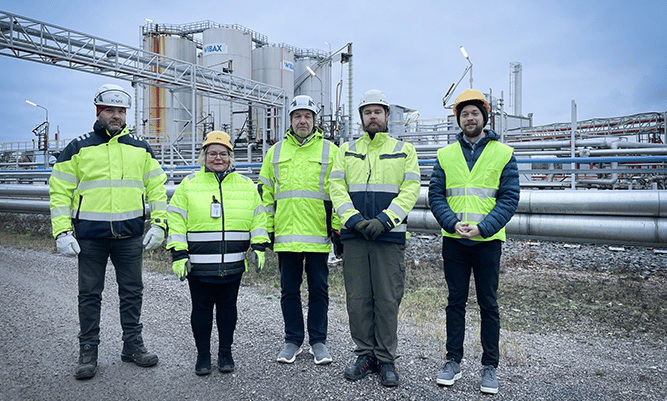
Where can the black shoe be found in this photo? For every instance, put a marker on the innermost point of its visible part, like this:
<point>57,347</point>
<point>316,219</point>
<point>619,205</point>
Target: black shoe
<point>388,374</point>
<point>87,366</point>
<point>203,366</point>
<point>364,365</point>
<point>225,362</point>
<point>135,351</point>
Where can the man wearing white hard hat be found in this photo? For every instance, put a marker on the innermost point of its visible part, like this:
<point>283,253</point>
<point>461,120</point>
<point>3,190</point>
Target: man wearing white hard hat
<point>98,190</point>
<point>294,183</point>
<point>374,185</point>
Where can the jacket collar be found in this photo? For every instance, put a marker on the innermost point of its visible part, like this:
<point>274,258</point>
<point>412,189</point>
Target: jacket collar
<point>102,132</point>
<point>317,134</point>
<point>489,135</point>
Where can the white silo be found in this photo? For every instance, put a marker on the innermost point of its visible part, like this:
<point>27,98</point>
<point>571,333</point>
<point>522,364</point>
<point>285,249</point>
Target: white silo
<point>317,86</point>
<point>165,112</point>
<point>273,65</point>
<point>227,49</point>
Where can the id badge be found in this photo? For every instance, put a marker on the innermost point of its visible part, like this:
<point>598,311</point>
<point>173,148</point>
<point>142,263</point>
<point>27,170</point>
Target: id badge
<point>216,209</point>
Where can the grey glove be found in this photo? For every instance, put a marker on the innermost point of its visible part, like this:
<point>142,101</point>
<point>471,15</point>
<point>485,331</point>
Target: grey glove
<point>67,244</point>
<point>374,229</point>
<point>361,227</point>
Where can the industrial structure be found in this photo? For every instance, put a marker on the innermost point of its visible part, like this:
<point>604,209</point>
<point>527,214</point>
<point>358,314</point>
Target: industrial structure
<point>193,78</point>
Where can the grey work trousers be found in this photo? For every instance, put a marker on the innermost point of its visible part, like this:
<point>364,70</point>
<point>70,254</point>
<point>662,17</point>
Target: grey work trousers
<point>374,273</point>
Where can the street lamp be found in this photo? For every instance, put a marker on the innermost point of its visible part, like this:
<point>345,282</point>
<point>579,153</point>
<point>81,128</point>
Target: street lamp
<point>46,132</point>
<point>465,54</point>
<point>312,73</point>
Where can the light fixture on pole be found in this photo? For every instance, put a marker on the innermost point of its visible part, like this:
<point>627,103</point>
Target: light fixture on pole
<point>45,143</point>
<point>465,54</point>
<point>312,73</point>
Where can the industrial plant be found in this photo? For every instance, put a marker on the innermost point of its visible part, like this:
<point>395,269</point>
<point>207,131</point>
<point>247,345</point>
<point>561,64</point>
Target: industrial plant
<point>193,78</point>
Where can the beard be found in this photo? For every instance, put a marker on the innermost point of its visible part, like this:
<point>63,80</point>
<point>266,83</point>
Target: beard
<point>473,133</point>
<point>375,127</point>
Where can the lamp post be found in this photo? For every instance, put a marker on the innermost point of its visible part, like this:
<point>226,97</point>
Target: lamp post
<point>46,132</point>
<point>312,73</point>
<point>465,54</point>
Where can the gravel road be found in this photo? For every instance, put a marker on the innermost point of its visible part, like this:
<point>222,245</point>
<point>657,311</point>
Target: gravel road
<point>38,326</point>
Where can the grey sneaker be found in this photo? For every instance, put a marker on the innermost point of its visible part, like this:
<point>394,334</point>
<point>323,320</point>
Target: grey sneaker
<point>451,372</point>
<point>320,354</point>
<point>489,380</point>
<point>289,353</point>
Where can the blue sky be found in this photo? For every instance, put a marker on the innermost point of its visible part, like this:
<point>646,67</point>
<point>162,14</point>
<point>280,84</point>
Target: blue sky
<point>608,56</point>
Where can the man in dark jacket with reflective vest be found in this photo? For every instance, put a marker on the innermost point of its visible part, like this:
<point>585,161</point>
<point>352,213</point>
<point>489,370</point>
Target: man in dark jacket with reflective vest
<point>473,193</point>
<point>98,190</point>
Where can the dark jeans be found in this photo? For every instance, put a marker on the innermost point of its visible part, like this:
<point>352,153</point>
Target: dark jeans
<point>291,265</point>
<point>483,260</point>
<point>204,297</point>
<point>126,256</point>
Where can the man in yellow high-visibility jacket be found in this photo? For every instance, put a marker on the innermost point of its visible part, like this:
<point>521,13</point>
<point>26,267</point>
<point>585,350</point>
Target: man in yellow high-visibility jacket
<point>294,184</point>
<point>374,185</point>
<point>98,189</point>
<point>473,193</point>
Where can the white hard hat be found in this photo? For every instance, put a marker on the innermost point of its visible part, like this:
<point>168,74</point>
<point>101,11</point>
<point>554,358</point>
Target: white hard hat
<point>112,95</point>
<point>374,96</point>
<point>302,102</point>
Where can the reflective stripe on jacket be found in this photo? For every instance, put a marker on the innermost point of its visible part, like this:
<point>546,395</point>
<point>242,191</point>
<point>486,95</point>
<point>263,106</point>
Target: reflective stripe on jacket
<point>294,183</point>
<point>376,178</point>
<point>100,184</point>
<point>471,194</point>
<point>215,246</point>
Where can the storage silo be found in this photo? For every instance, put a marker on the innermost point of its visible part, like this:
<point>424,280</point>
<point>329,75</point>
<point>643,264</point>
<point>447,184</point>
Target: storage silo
<point>165,112</point>
<point>319,86</point>
<point>227,49</point>
<point>273,65</point>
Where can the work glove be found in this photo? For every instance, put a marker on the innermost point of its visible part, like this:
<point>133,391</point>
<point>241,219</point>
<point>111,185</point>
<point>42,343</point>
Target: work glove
<point>154,237</point>
<point>181,268</point>
<point>374,229</point>
<point>257,259</point>
<point>67,244</point>
<point>361,227</point>
<point>337,244</point>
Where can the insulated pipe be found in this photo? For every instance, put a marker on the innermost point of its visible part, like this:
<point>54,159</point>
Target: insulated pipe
<point>640,231</point>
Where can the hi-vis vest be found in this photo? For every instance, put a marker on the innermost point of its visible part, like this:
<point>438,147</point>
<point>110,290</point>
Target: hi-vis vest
<point>294,182</point>
<point>471,194</point>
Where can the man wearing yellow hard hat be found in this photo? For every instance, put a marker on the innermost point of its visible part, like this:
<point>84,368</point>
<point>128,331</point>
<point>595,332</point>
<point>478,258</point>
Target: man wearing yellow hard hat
<point>473,193</point>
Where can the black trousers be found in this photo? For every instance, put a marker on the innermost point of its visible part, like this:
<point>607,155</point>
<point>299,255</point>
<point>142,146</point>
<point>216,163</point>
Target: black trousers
<point>126,256</point>
<point>483,260</point>
<point>204,297</point>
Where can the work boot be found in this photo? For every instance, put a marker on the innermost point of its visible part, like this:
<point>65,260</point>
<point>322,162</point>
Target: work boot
<point>135,351</point>
<point>87,366</point>
<point>203,366</point>
<point>364,365</point>
<point>388,374</point>
<point>225,362</point>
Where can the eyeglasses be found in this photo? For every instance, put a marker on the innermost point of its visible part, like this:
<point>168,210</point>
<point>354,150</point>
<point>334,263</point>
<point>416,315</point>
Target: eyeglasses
<point>212,155</point>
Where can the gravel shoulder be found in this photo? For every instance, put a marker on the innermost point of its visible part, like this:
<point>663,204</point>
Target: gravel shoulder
<point>39,323</point>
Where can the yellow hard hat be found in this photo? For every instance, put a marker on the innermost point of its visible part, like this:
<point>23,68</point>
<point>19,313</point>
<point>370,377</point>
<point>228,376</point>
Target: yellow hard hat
<point>470,94</point>
<point>218,137</point>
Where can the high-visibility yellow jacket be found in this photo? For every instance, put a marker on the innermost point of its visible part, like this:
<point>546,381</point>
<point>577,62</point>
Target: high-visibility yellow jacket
<point>100,184</point>
<point>294,184</point>
<point>215,246</point>
<point>376,178</point>
<point>471,194</point>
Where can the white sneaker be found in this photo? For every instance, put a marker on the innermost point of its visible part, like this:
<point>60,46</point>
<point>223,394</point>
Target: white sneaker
<point>320,354</point>
<point>289,353</point>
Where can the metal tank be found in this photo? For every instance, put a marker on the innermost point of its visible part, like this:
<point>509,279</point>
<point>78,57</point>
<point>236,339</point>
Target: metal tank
<point>224,49</point>
<point>273,65</point>
<point>167,113</point>
<point>319,86</point>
